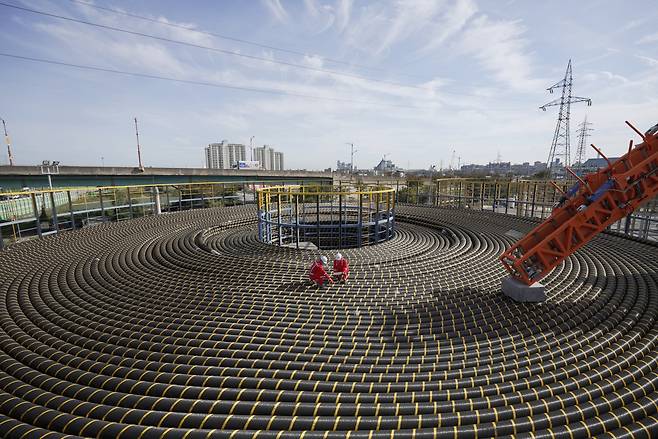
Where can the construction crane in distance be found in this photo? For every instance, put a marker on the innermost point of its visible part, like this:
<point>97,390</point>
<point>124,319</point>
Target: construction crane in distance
<point>596,201</point>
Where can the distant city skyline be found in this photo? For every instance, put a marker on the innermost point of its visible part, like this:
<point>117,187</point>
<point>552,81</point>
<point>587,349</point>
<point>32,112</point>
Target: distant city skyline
<point>414,80</point>
<point>225,155</point>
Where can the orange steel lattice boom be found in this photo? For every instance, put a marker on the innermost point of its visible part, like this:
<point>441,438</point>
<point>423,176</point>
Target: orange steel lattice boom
<point>596,201</point>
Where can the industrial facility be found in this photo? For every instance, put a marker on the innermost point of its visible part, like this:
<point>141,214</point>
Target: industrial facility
<point>477,264</point>
<point>185,310</point>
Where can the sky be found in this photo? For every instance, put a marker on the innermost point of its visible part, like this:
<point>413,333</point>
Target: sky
<point>420,82</point>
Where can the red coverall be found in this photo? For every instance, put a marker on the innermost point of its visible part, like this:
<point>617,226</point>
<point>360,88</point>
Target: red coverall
<point>341,268</point>
<point>318,274</point>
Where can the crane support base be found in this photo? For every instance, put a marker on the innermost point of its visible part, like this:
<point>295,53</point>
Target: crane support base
<point>521,292</point>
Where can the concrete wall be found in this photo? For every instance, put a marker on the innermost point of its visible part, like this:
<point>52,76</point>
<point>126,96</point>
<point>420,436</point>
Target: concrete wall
<point>16,177</point>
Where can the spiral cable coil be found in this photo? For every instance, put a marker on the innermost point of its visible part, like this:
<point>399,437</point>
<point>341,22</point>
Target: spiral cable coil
<point>186,326</point>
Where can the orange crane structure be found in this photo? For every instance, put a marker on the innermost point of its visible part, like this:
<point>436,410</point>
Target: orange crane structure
<point>595,202</point>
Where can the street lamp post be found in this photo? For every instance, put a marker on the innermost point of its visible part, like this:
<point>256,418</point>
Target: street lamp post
<point>139,149</point>
<point>352,151</point>
<point>9,154</point>
<point>432,169</point>
<point>49,169</point>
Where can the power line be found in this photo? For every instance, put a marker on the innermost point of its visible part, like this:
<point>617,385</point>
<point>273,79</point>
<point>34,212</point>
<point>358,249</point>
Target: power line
<point>214,49</point>
<point>234,87</point>
<point>230,38</point>
<point>207,84</point>
<point>233,53</point>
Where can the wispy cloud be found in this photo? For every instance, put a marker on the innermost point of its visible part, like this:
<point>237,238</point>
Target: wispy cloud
<point>604,76</point>
<point>82,43</point>
<point>276,9</point>
<point>123,52</point>
<point>605,53</point>
<point>184,31</point>
<point>500,46</point>
<point>453,21</point>
<point>343,14</point>
<point>144,56</point>
<point>651,38</point>
<point>634,23</point>
<point>321,17</point>
<point>312,7</point>
<point>653,62</point>
<point>380,26</point>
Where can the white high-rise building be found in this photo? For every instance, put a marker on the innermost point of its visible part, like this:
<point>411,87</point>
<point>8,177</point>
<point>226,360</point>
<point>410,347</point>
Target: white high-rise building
<point>225,155</point>
<point>262,155</point>
<point>269,159</point>
<point>278,161</point>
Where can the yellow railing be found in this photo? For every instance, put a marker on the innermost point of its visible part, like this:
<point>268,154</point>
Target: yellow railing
<point>326,216</point>
<point>148,185</point>
<point>25,214</point>
<point>266,194</point>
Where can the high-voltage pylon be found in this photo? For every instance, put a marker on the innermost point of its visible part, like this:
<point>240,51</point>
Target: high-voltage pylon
<point>560,147</point>
<point>583,133</point>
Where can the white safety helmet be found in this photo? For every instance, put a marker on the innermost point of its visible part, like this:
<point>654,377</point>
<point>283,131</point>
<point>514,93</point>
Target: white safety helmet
<point>323,259</point>
<point>339,256</point>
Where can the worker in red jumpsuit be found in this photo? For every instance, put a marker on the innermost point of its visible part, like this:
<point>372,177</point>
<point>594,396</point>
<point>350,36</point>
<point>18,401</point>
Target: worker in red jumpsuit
<point>341,268</point>
<point>318,274</point>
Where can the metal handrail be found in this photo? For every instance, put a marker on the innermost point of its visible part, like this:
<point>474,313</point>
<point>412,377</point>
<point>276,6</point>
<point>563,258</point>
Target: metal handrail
<point>286,190</point>
<point>97,188</point>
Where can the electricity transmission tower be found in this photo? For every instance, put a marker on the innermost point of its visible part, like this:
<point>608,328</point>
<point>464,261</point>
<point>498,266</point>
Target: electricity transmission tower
<point>583,133</point>
<point>560,147</point>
